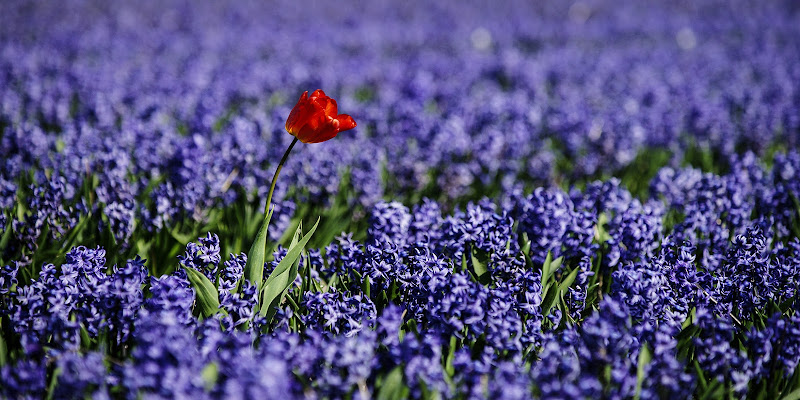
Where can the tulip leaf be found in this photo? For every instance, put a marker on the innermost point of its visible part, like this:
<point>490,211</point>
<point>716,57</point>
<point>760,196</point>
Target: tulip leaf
<point>293,271</point>
<point>284,274</point>
<point>254,269</point>
<point>206,296</point>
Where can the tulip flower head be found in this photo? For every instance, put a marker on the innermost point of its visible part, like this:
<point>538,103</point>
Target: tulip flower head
<point>314,119</point>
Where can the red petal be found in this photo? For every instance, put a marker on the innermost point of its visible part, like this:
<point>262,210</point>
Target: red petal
<point>331,108</point>
<point>318,93</point>
<point>346,122</point>
<point>328,104</point>
<point>299,114</point>
<point>311,123</point>
<point>326,132</point>
<point>298,117</point>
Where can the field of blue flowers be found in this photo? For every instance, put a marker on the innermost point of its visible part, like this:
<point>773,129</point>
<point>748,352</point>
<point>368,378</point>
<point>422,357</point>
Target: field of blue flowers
<point>558,200</point>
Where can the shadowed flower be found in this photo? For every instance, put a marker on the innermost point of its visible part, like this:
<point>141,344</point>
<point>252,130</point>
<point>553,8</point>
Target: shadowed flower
<point>315,119</point>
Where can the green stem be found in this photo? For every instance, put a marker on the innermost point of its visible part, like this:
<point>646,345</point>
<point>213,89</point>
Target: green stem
<point>275,177</point>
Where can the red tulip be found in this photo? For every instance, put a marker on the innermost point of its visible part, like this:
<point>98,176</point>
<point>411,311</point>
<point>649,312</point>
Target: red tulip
<point>314,119</point>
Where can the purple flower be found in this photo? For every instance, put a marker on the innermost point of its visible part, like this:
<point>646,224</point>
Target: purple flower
<point>338,313</point>
<point>389,222</point>
<point>23,380</point>
<point>239,307</point>
<point>166,360</point>
<point>717,355</point>
<point>79,373</point>
<point>203,256</point>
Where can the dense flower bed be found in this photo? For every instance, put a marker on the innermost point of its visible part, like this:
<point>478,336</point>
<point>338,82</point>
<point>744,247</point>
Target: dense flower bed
<point>560,200</point>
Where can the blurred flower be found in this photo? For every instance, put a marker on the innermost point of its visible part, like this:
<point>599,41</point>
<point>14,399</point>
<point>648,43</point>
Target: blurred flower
<point>315,119</point>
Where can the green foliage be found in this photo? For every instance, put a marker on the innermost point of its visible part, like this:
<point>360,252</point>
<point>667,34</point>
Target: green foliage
<point>206,295</point>
<point>645,356</point>
<point>210,375</point>
<point>637,175</point>
<point>3,350</point>
<point>702,156</point>
<point>254,270</point>
<point>284,274</point>
<point>554,293</point>
<point>392,387</point>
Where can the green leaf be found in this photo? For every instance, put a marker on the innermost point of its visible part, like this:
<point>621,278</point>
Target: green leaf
<point>306,277</point>
<point>702,382</point>
<point>645,356</point>
<point>600,234</point>
<point>206,296</point>
<point>567,282</point>
<point>479,266</point>
<point>293,271</point>
<point>793,383</point>
<point>556,264</point>
<point>278,274</point>
<point>365,286</point>
<point>431,394</point>
<point>411,326</point>
<point>552,296</point>
<point>111,236</point>
<point>6,237</point>
<point>86,341</point>
<point>74,233</point>
<point>392,387</point>
<point>280,278</point>
<point>689,319</point>
<point>210,373</point>
<point>254,269</point>
<point>795,395</point>
<point>51,387</point>
<point>715,390</point>
<point>526,248</point>
<point>546,267</point>
<point>332,282</point>
<point>449,368</point>
<point>547,272</point>
<point>175,233</point>
<point>3,351</point>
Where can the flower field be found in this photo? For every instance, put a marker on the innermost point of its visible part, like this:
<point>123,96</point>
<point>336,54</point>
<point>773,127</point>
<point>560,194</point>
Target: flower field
<point>559,200</point>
